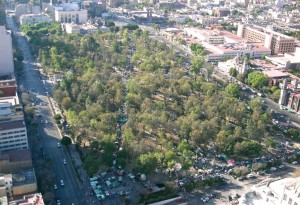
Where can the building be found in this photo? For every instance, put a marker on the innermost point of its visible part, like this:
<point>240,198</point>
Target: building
<point>277,42</point>
<point>22,9</point>
<point>275,76</point>
<point>2,13</point>
<point>23,182</point>
<point>294,101</point>
<point>13,135</point>
<point>8,87</point>
<point>3,200</point>
<point>231,50</point>
<point>222,12</point>
<point>5,184</point>
<point>82,29</point>
<point>94,8</point>
<point>236,63</point>
<point>209,36</point>
<point>277,191</point>
<point>15,160</point>
<point>70,12</point>
<point>34,18</point>
<point>287,60</point>
<point>31,199</point>
<point>6,52</point>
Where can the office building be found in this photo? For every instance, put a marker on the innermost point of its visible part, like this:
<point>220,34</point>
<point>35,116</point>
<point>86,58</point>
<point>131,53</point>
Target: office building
<point>13,135</point>
<point>6,52</point>
<point>34,18</point>
<point>277,42</point>
<point>70,12</point>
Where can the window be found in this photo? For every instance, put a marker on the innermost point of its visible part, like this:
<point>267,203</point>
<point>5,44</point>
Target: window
<point>284,197</point>
<point>290,201</point>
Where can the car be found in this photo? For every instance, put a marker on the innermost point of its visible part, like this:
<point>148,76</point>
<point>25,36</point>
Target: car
<point>65,162</point>
<point>55,186</point>
<point>107,194</point>
<point>62,183</point>
<point>42,122</point>
<point>46,121</point>
<point>273,169</point>
<point>58,202</point>
<point>58,144</point>
<point>281,166</point>
<point>294,162</point>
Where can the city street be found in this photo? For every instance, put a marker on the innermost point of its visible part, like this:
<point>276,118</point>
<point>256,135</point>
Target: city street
<point>70,193</point>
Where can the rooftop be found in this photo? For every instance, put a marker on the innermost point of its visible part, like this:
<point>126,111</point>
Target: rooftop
<point>8,125</point>
<point>18,155</point>
<point>32,199</point>
<point>23,177</point>
<point>275,74</point>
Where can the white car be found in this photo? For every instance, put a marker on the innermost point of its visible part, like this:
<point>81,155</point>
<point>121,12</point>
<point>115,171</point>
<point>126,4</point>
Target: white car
<point>294,162</point>
<point>65,162</point>
<point>62,182</point>
<point>58,144</point>
<point>55,186</point>
<point>273,169</point>
<point>281,166</point>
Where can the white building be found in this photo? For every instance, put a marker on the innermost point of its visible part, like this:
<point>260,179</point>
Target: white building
<point>13,135</point>
<point>22,9</point>
<point>231,50</point>
<point>277,191</point>
<point>34,18</point>
<point>70,12</point>
<point>210,36</point>
<point>82,29</point>
<point>6,52</point>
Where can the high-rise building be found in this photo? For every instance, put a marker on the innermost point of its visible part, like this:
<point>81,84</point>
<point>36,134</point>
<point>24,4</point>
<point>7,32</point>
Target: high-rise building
<point>6,52</point>
<point>277,42</point>
<point>2,13</point>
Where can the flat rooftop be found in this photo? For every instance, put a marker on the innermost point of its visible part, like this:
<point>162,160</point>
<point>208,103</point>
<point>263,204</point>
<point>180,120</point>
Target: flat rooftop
<point>9,125</point>
<point>19,155</point>
<point>23,177</point>
<point>275,74</point>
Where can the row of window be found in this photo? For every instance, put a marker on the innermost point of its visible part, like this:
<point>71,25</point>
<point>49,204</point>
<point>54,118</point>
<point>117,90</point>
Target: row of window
<point>14,136</point>
<point>14,145</point>
<point>9,133</point>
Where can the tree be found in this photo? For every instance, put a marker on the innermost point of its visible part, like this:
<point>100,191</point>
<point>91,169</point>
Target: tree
<point>197,64</point>
<point>197,49</point>
<point>147,163</point>
<point>247,148</point>
<point>91,165</point>
<point>233,72</point>
<point>66,141</point>
<point>257,80</point>
<point>233,89</point>
<point>293,133</point>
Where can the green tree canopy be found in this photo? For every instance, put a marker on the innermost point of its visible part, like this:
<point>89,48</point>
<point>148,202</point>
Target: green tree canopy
<point>233,89</point>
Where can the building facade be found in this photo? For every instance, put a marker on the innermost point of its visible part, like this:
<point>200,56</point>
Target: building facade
<point>15,160</point>
<point>13,135</point>
<point>70,12</point>
<point>34,18</point>
<point>6,52</point>
<point>277,42</point>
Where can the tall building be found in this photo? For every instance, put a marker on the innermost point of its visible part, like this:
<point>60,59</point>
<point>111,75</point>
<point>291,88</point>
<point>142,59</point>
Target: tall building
<point>13,135</point>
<point>6,52</point>
<point>277,42</point>
<point>2,13</point>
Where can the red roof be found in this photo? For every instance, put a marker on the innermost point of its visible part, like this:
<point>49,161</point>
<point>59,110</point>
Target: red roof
<point>8,91</point>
